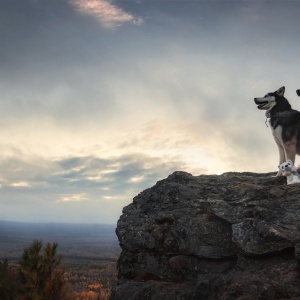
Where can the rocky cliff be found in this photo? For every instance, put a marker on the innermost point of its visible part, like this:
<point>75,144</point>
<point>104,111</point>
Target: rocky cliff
<point>231,236</point>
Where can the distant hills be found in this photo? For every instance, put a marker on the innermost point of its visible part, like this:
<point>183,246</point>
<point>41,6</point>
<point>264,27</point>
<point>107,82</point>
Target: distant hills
<point>14,236</point>
<point>41,230</point>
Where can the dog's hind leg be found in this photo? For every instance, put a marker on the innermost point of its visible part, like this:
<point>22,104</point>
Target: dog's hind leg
<point>290,149</point>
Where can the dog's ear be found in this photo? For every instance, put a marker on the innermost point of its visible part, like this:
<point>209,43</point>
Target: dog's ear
<point>280,91</point>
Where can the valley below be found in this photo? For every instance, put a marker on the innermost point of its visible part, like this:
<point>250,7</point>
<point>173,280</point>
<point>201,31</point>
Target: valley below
<point>89,253</point>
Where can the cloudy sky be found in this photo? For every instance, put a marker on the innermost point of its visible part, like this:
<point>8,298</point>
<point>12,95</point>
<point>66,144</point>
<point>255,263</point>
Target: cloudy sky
<point>101,99</point>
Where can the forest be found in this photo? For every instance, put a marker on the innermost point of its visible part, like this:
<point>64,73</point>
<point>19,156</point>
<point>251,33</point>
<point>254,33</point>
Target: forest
<point>83,261</point>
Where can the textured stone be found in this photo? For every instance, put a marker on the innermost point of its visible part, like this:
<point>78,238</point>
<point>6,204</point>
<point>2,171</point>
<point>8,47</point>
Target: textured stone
<point>232,236</point>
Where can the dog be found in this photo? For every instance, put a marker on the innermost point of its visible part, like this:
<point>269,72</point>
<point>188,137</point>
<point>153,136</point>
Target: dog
<point>284,122</point>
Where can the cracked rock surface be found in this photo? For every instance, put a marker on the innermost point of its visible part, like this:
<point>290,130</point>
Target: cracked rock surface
<point>230,236</point>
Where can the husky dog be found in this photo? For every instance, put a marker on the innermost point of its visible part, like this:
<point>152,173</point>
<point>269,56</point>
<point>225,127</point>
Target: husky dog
<point>284,122</point>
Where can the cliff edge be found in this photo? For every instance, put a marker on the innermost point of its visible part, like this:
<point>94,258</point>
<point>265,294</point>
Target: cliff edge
<point>230,236</point>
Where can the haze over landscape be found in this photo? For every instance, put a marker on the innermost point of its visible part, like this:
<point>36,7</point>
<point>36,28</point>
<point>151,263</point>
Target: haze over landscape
<point>100,99</point>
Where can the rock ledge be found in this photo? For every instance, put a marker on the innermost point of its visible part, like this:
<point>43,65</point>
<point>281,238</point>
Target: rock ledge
<point>230,236</point>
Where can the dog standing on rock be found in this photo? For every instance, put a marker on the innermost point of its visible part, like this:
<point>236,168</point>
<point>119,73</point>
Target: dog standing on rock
<point>284,122</point>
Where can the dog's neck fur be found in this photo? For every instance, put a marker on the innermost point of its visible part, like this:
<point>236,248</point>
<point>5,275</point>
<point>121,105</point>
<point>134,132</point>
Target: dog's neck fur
<point>281,106</point>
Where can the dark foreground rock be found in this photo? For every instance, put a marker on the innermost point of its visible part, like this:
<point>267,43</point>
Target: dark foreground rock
<point>232,236</point>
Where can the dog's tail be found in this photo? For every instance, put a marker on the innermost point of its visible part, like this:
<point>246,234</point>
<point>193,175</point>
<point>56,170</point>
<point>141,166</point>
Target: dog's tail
<point>298,92</point>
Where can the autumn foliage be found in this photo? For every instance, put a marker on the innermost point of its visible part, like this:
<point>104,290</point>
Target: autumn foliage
<point>41,275</point>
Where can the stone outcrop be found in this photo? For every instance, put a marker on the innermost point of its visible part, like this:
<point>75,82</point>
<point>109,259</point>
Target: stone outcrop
<point>230,236</point>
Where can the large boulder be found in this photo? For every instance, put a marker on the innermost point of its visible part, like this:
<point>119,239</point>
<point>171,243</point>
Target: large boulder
<point>231,236</point>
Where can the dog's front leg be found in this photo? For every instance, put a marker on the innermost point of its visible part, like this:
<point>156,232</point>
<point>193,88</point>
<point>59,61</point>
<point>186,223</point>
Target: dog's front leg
<point>282,157</point>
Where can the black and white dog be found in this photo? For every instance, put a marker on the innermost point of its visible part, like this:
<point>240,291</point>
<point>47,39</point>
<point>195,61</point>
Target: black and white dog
<point>284,122</point>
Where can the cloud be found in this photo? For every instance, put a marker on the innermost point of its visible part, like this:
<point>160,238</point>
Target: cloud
<point>77,189</point>
<point>90,117</point>
<point>105,12</point>
<point>21,184</point>
<point>73,198</point>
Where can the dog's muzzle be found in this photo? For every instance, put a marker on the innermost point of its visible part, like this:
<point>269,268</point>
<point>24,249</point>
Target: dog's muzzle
<point>260,104</point>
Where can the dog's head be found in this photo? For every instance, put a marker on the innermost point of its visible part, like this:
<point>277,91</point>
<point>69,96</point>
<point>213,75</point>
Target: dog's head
<point>270,100</point>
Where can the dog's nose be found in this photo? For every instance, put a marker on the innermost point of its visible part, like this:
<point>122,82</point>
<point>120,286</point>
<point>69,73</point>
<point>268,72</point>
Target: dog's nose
<point>298,92</point>
<point>286,166</point>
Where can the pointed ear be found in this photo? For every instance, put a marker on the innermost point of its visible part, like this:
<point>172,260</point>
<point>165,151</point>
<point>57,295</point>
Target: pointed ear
<point>280,92</point>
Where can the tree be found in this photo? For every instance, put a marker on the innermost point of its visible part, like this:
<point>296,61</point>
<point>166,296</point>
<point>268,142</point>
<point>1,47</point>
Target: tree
<point>8,282</point>
<point>54,277</point>
<point>41,273</point>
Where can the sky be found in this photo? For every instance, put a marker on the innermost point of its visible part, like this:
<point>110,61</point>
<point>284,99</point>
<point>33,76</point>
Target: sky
<point>101,99</point>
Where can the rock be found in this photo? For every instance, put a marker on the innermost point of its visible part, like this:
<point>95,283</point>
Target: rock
<point>230,236</point>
